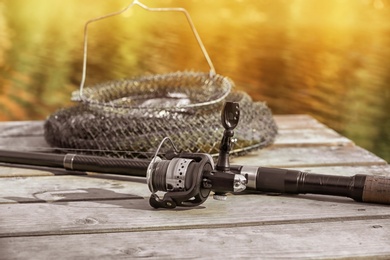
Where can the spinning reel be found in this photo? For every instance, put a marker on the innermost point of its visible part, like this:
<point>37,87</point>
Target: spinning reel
<point>188,178</point>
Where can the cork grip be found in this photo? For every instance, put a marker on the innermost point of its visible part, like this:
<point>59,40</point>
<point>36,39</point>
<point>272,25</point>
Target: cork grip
<point>376,190</point>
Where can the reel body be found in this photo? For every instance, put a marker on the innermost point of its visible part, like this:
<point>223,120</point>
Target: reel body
<point>188,178</point>
<point>182,180</point>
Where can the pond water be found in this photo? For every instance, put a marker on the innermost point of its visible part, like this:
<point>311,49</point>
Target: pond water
<point>326,58</point>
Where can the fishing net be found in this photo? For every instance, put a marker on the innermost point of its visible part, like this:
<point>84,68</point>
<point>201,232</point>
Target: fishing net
<point>129,118</point>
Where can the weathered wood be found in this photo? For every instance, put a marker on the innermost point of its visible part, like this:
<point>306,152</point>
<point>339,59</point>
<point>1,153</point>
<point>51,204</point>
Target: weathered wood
<point>25,143</point>
<point>22,135</point>
<point>71,188</point>
<point>310,137</point>
<point>355,239</point>
<point>297,122</point>
<point>49,213</point>
<point>79,217</point>
<point>12,171</point>
<point>21,128</point>
<point>309,156</point>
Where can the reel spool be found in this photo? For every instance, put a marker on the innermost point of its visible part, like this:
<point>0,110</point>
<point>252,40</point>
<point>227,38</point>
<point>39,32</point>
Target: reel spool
<point>182,180</point>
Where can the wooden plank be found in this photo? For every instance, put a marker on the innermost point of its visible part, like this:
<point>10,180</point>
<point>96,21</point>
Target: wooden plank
<point>25,143</point>
<point>72,188</point>
<point>13,171</point>
<point>21,128</point>
<point>297,122</point>
<point>18,135</point>
<point>353,239</point>
<point>283,157</point>
<point>129,215</point>
<point>310,137</point>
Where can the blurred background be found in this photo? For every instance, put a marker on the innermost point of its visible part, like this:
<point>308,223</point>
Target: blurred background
<point>326,58</point>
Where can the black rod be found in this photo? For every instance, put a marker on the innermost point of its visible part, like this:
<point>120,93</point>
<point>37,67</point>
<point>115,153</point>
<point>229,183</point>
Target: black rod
<point>365,188</point>
<point>78,162</point>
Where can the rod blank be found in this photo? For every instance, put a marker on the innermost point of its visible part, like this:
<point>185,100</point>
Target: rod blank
<point>78,162</point>
<point>360,187</point>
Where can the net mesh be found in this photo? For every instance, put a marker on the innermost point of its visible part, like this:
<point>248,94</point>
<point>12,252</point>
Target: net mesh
<point>129,118</point>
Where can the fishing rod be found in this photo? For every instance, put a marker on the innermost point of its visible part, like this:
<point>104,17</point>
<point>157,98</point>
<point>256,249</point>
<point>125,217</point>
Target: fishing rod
<point>188,178</point>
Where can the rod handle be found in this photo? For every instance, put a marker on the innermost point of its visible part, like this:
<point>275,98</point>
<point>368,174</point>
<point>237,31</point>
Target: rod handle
<point>376,189</point>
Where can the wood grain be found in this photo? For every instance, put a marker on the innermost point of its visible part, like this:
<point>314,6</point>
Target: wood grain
<point>129,215</point>
<point>52,213</point>
<point>355,239</point>
<point>283,157</point>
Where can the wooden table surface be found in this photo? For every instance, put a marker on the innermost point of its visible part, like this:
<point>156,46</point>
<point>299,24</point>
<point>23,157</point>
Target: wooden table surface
<point>53,214</point>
